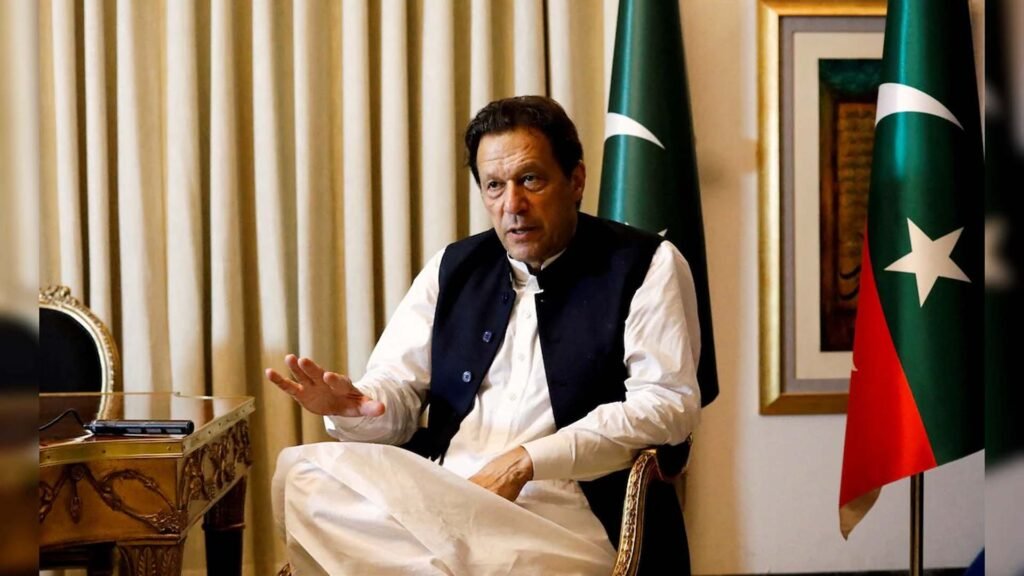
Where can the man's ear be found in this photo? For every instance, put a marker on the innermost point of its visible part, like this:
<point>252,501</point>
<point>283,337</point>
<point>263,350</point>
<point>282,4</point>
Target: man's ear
<point>579,181</point>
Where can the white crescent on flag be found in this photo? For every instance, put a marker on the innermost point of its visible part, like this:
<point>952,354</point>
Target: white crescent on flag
<point>616,124</point>
<point>895,98</point>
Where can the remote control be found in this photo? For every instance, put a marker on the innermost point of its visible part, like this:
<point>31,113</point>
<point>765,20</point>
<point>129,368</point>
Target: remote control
<point>141,427</point>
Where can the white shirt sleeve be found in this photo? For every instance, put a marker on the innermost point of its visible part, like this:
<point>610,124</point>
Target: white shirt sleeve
<point>398,372</point>
<point>662,405</point>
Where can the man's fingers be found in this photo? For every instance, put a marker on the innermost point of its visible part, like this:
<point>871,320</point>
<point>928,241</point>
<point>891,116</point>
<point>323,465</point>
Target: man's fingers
<point>288,385</point>
<point>339,383</point>
<point>342,385</point>
<point>297,372</point>
<point>276,378</point>
<point>312,369</point>
<point>323,392</point>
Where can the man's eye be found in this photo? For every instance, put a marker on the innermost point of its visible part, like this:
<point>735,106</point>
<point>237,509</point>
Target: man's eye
<point>532,181</point>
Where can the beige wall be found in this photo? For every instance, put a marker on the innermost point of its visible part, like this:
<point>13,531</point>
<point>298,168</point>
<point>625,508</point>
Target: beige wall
<point>763,490</point>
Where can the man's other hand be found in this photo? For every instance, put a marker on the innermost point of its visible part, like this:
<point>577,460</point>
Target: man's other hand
<point>507,474</point>
<point>321,392</point>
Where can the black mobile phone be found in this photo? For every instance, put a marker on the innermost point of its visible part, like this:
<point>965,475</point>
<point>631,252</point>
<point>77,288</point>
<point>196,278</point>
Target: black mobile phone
<point>140,427</point>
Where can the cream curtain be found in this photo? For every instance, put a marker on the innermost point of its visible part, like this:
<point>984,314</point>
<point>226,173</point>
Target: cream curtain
<point>225,182</point>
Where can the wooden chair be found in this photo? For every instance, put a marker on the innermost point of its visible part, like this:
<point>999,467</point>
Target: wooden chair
<point>76,354</point>
<point>662,465</point>
<point>76,351</point>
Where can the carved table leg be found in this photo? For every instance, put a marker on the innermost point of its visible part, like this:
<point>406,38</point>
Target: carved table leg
<point>223,526</point>
<point>151,559</point>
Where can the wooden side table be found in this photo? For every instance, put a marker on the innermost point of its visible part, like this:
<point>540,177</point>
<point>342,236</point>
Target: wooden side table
<point>106,499</point>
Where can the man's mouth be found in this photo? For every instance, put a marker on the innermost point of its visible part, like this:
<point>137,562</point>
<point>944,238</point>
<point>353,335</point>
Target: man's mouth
<point>521,231</point>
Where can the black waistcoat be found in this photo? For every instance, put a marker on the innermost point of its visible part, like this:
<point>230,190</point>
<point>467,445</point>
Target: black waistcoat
<point>581,316</point>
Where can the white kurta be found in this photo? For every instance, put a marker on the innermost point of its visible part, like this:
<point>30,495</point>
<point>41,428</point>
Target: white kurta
<point>338,501</point>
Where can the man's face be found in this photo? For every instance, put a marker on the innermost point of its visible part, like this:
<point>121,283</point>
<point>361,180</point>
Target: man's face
<point>531,202</point>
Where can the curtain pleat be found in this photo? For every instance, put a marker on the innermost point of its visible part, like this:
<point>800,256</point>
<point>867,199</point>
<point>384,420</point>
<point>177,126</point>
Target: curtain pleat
<point>438,163</point>
<point>233,181</point>
<point>227,336</point>
<point>358,205</point>
<point>559,34</point>
<point>65,93</point>
<point>529,47</point>
<point>395,183</point>
<point>27,143</point>
<point>185,254</point>
<point>313,177</point>
<point>574,73</point>
<point>141,197</point>
<point>274,165</point>
<point>481,91</point>
<point>274,186</point>
<point>97,161</point>
<point>49,241</point>
<point>21,49</point>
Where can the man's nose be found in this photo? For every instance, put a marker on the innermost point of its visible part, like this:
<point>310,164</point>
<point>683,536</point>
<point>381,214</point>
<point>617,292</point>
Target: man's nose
<point>515,199</point>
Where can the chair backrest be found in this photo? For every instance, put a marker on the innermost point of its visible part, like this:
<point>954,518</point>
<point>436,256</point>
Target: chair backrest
<point>77,352</point>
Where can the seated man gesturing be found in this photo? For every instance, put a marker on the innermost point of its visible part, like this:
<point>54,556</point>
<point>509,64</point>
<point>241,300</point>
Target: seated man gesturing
<point>548,351</point>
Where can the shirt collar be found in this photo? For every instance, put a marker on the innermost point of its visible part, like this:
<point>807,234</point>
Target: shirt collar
<point>521,272</point>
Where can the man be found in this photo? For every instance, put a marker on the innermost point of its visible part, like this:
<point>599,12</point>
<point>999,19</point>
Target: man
<point>548,351</point>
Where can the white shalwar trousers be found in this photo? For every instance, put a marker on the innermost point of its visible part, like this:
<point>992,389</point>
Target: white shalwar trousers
<point>355,509</point>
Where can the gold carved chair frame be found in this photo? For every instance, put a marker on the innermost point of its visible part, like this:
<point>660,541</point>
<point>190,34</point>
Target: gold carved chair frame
<point>59,299</point>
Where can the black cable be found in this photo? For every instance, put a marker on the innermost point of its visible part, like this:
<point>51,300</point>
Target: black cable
<point>62,415</point>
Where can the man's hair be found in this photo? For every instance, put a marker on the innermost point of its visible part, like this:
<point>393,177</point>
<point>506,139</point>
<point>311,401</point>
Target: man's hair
<point>538,112</point>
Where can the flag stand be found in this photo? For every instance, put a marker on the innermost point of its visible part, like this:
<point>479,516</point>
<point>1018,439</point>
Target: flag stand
<point>916,524</point>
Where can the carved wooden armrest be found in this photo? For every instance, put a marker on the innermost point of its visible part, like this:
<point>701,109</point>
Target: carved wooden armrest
<point>663,464</point>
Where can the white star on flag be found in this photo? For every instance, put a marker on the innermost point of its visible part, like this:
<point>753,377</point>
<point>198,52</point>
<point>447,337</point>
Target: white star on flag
<point>929,259</point>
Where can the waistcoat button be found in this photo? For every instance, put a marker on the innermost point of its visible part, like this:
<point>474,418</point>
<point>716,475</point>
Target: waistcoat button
<point>467,376</point>
<point>487,336</point>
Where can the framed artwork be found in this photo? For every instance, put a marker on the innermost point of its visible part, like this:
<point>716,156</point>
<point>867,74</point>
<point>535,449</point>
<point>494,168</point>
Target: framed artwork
<point>819,69</point>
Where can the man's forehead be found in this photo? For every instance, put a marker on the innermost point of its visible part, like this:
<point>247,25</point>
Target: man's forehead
<point>516,146</point>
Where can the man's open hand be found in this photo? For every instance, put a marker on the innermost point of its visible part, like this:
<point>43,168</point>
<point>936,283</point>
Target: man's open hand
<point>321,392</point>
<point>507,474</point>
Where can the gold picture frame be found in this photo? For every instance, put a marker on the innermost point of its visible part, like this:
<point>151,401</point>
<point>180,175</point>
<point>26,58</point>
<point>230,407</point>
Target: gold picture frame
<point>783,390</point>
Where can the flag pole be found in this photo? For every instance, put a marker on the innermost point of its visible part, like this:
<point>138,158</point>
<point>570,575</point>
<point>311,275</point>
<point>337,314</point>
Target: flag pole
<point>916,524</point>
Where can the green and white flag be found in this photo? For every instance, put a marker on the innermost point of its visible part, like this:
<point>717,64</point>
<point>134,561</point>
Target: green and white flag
<point>649,177</point>
<point>917,385</point>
